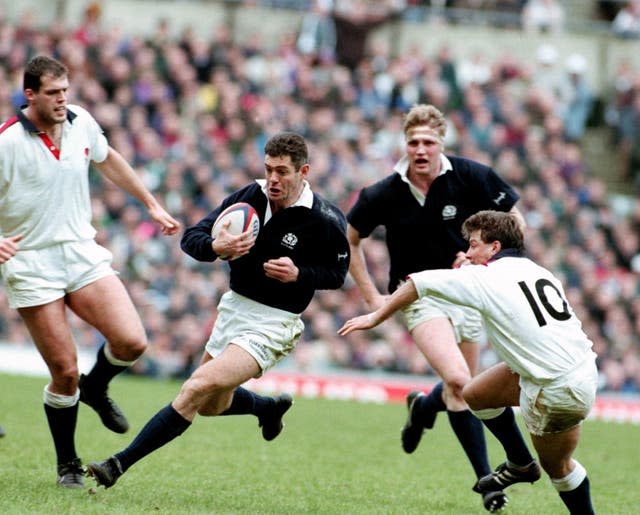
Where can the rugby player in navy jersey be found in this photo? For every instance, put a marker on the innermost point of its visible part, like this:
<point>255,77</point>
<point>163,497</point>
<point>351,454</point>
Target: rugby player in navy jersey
<point>422,205</point>
<point>301,247</point>
<point>548,369</point>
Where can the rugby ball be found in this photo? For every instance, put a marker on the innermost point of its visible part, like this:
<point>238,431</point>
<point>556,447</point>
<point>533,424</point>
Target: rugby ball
<point>242,217</point>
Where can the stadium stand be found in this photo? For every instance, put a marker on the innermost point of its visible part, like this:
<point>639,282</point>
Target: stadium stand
<point>190,95</point>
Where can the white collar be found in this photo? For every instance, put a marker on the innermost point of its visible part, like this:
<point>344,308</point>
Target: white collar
<point>402,169</point>
<point>304,200</point>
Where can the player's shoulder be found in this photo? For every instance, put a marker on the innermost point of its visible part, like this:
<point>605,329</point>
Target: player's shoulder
<point>521,266</point>
<point>463,165</point>
<point>247,192</point>
<point>386,187</point>
<point>328,211</point>
<point>384,183</point>
<point>8,128</point>
<point>75,111</point>
<point>80,116</point>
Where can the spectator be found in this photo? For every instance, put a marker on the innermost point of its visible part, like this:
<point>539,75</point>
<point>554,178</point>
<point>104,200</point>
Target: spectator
<point>225,116</point>
<point>630,140</point>
<point>548,83</point>
<point>474,70</point>
<point>355,20</point>
<point>575,112</point>
<point>543,16</point>
<point>317,37</point>
<point>626,23</point>
<point>87,33</point>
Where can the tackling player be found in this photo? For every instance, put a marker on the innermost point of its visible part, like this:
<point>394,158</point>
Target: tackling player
<point>549,369</point>
<point>429,196</point>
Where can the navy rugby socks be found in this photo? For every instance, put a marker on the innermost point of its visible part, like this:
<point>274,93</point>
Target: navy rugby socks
<point>246,402</point>
<point>62,424</point>
<point>431,403</point>
<point>578,500</point>
<point>102,372</point>
<point>468,428</point>
<point>163,427</point>
<point>505,429</point>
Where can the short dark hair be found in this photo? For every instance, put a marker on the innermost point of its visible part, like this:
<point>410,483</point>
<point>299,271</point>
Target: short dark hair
<point>495,226</point>
<point>288,144</point>
<point>42,65</point>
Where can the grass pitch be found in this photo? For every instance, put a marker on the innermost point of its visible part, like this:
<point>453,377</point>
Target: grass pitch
<point>333,457</point>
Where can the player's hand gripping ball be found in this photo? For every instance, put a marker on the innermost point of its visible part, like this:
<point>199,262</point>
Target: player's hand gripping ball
<point>242,217</point>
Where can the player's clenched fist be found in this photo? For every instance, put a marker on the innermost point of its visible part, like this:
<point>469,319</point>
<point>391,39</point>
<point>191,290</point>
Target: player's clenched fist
<point>9,247</point>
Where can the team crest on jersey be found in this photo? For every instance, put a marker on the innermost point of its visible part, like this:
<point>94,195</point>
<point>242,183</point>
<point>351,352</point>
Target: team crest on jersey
<point>449,212</point>
<point>289,240</point>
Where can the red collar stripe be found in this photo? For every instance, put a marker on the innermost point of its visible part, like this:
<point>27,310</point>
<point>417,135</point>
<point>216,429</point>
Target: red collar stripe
<point>47,141</point>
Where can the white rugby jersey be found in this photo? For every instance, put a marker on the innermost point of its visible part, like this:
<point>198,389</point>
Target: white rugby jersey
<point>528,320</point>
<point>44,191</point>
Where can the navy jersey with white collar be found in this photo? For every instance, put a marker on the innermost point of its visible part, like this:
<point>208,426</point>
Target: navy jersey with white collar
<point>314,238</point>
<point>429,236</point>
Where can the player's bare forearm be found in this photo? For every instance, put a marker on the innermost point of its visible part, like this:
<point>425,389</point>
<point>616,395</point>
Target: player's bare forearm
<point>359,272</point>
<point>403,296</point>
<point>118,170</point>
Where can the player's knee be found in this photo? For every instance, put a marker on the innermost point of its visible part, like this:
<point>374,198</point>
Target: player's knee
<point>130,349</point>
<point>196,391</point>
<point>137,344</point>
<point>453,396</point>
<point>191,390</point>
<point>138,347</point>
<point>63,367</point>
<point>64,374</point>
<point>455,383</point>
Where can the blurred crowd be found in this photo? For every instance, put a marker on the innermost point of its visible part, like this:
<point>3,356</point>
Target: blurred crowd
<point>192,113</point>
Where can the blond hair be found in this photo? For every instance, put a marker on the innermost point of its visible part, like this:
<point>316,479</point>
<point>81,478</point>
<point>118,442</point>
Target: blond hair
<point>423,114</point>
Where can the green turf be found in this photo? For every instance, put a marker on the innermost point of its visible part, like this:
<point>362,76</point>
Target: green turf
<point>334,457</point>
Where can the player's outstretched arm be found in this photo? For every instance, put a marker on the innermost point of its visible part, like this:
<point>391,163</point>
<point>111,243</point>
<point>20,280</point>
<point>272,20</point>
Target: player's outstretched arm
<point>359,272</point>
<point>116,169</point>
<point>403,296</point>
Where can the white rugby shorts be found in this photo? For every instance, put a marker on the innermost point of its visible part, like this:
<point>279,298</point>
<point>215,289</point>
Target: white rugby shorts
<point>466,322</point>
<point>268,334</point>
<point>36,277</point>
<point>561,404</point>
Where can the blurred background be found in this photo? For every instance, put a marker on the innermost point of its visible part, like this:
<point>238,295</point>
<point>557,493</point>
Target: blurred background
<point>545,91</point>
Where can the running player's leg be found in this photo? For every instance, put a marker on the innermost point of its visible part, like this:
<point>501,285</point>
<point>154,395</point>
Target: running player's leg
<point>51,334</point>
<point>106,305</point>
